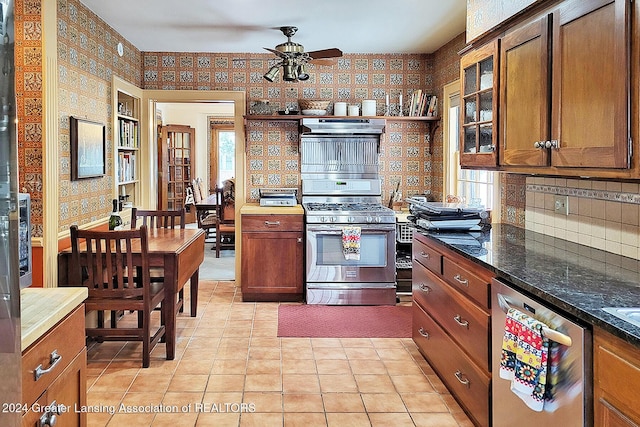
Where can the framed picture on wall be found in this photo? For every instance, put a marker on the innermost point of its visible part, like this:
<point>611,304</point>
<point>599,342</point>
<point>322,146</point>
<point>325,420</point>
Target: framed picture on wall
<point>87,149</point>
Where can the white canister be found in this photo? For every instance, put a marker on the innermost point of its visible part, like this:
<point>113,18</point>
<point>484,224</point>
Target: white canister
<point>369,107</point>
<point>354,110</point>
<point>340,109</point>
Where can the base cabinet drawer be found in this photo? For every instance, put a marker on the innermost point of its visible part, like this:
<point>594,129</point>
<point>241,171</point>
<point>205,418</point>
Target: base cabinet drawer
<point>468,324</point>
<point>54,382</point>
<point>426,256</point>
<point>43,361</point>
<point>468,383</point>
<point>470,284</point>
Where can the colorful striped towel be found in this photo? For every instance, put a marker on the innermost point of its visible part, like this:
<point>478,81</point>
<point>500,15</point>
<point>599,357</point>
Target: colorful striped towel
<point>525,353</point>
<point>351,243</point>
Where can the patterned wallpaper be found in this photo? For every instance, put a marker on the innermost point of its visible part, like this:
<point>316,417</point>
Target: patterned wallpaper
<point>29,91</point>
<point>272,156</point>
<point>87,60</point>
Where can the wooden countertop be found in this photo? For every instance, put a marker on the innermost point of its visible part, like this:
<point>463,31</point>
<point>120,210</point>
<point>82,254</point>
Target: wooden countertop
<point>256,209</point>
<point>42,308</point>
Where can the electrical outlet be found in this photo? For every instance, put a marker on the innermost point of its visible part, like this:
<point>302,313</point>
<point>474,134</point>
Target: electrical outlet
<point>561,204</point>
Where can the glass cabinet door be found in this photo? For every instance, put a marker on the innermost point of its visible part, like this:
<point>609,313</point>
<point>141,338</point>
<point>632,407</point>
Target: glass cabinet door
<point>479,89</point>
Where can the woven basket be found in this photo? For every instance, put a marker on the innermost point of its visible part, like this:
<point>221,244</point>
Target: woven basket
<point>313,104</point>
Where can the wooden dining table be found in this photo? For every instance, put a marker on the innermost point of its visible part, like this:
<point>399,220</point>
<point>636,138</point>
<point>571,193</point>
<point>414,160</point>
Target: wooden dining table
<point>179,252</point>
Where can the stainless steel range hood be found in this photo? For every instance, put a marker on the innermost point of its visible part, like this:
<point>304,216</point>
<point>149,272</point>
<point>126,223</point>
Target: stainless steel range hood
<point>345,125</point>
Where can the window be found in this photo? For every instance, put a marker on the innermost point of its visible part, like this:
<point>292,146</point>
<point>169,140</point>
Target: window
<point>473,186</point>
<point>223,153</point>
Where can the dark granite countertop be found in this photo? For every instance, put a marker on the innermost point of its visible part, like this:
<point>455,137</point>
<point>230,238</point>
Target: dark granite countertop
<point>574,278</point>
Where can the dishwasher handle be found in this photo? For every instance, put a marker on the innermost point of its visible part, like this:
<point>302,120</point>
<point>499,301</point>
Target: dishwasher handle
<point>554,335</point>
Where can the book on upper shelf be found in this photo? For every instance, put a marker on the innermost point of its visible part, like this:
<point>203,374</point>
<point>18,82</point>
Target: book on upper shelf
<point>423,105</point>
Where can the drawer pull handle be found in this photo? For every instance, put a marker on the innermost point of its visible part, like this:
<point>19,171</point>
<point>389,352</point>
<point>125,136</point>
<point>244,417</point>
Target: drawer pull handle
<point>272,223</point>
<point>463,380</point>
<point>424,333</point>
<point>424,288</point>
<point>424,255</point>
<point>54,359</point>
<point>460,280</point>
<point>461,322</point>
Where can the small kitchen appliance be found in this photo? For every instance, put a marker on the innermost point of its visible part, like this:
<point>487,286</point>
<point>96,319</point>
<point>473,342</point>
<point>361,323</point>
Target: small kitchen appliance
<point>278,196</point>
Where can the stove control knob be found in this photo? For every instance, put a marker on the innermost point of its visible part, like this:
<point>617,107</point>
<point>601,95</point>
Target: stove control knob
<point>323,219</point>
<point>369,219</point>
<point>351,219</point>
<point>378,219</point>
<point>332,219</point>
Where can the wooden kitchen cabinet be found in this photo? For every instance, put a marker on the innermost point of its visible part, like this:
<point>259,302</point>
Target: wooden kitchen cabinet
<point>451,323</point>
<point>616,375</point>
<point>564,88</point>
<point>60,393</point>
<point>479,111</point>
<point>272,265</point>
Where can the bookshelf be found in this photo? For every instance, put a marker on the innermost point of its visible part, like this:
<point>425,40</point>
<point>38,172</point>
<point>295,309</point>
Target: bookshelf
<point>127,143</point>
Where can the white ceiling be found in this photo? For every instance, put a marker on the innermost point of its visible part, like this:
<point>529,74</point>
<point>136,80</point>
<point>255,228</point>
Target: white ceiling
<point>234,26</point>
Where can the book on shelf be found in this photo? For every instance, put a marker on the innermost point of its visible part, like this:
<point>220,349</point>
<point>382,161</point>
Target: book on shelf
<point>128,133</point>
<point>126,167</point>
<point>423,105</point>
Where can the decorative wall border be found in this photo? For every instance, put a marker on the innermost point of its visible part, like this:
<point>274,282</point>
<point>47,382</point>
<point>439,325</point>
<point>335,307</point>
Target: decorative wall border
<point>614,196</point>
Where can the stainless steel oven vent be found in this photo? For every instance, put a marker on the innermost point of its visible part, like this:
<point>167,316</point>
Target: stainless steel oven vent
<point>343,126</point>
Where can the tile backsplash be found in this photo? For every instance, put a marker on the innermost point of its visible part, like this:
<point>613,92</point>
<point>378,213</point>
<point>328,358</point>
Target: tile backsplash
<point>603,215</point>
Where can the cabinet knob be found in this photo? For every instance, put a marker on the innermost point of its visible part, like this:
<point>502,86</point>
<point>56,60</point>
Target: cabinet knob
<point>424,255</point>
<point>299,239</point>
<point>272,223</point>
<point>552,144</point>
<point>538,144</point>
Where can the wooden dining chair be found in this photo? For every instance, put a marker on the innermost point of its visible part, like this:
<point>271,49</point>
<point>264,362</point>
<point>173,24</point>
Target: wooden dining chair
<point>157,218</point>
<point>118,280</point>
<point>225,221</point>
<point>207,219</point>
<point>165,219</point>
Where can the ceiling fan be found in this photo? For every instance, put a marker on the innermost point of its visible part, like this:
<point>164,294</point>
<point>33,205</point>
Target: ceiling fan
<point>293,58</point>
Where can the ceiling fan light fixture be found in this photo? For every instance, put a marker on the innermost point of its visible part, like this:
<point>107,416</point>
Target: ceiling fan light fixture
<point>272,73</point>
<point>302,73</point>
<point>289,72</point>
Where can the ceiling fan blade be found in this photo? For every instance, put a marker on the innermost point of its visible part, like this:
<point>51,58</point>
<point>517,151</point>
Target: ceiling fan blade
<point>324,61</point>
<point>277,52</point>
<point>325,53</point>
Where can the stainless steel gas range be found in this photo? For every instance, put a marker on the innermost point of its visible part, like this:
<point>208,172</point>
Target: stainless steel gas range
<point>350,235</point>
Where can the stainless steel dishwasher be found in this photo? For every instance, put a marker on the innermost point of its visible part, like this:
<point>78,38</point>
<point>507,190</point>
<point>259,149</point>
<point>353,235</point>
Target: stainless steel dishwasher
<point>572,403</point>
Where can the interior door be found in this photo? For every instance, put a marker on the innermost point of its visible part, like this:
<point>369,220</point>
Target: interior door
<point>175,166</point>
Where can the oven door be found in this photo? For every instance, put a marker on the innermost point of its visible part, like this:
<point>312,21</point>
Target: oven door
<point>326,261</point>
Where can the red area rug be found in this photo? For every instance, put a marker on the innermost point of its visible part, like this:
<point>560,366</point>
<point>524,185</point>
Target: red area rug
<point>341,321</point>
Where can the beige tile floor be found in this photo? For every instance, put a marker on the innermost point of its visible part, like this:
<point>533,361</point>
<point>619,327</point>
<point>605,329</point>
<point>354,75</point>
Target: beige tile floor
<point>231,369</point>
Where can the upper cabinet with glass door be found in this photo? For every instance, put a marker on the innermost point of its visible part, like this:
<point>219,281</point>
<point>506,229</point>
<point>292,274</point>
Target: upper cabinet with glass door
<point>478,139</point>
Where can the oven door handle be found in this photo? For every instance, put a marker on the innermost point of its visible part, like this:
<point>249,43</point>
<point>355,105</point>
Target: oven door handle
<point>333,231</point>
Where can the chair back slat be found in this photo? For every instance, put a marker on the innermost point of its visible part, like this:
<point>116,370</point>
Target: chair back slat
<point>105,262</point>
<point>158,218</point>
